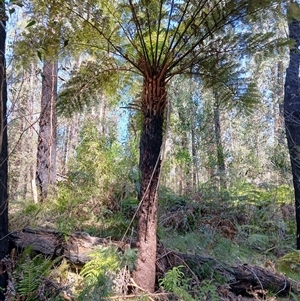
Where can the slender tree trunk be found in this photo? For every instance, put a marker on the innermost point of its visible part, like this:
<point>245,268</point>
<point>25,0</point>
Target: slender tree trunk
<point>46,153</point>
<point>220,152</point>
<point>185,168</point>
<point>3,154</point>
<point>195,178</point>
<point>153,105</point>
<point>292,116</point>
<point>66,150</point>
<point>278,123</point>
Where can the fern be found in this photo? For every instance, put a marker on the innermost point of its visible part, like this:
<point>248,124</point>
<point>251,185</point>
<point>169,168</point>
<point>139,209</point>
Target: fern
<point>289,264</point>
<point>208,291</point>
<point>103,260</point>
<point>28,277</point>
<point>175,282</point>
<point>99,274</point>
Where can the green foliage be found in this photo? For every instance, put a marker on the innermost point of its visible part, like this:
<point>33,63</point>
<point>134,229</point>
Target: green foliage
<point>208,291</point>
<point>98,161</point>
<point>245,224</point>
<point>112,225</point>
<point>28,277</point>
<point>88,86</point>
<point>168,199</point>
<point>95,186</point>
<point>29,214</point>
<point>289,264</point>
<point>175,281</point>
<point>99,274</point>
<point>263,195</point>
<point>128,259</point>
<point>129,206</point>
<point>280,159</point>
<point>293,11</point>
<point>259,240</point>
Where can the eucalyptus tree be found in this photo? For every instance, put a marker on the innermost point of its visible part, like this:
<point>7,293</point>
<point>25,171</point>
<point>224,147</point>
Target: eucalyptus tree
<point>3,152</point>
<point>42,40</point>
<point>292,105</point>
<point>156,40</point>
<point>46,150</point>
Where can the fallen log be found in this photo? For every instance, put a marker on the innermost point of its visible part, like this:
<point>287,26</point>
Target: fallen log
<point>241,279</point>
<point>75,247</point>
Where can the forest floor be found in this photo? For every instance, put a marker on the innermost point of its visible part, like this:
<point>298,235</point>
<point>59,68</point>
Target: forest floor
<point>246,226</point>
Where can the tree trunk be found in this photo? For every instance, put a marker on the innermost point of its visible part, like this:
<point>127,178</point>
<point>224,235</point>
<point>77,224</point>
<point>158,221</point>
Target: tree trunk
<point>278,118</point>
<point>153,105</point>
<point>195,181</point>
<point>66,150</point>
<point>220,152</point>
<point>46,153</point>
<point>292,116</point>
<point>3,154</point>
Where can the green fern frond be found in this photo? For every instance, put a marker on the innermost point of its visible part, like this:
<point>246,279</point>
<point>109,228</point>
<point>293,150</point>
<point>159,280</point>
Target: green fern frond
<point>102,261</point>
<point>30,273</point>
<point>175,282</point>
<point>289,264</point>
<point>99,274</point>
<point>87,86</point>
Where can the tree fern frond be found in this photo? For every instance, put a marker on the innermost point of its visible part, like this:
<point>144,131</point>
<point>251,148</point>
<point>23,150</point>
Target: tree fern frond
<point>86,87</point>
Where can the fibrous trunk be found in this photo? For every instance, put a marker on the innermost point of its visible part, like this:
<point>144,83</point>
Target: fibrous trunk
<point>153,104</point>
<point>292,116</point>
<point>3,155</point>
<point>46,153</point>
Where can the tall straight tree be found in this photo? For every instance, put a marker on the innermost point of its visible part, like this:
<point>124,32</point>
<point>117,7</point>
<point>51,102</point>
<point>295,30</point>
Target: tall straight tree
<point>46,150</point>
<point>219,144</point>
<point>292,106</point>
<point>3,151</point>
<point>158,39</point>
<point>42,39</point>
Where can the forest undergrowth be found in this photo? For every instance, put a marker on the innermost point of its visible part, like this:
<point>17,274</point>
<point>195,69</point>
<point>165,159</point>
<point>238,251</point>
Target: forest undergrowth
<point>244,224</point>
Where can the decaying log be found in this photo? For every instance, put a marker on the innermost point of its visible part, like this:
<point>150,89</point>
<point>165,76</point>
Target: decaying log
<point>241,279</point>
<point>74,248</point>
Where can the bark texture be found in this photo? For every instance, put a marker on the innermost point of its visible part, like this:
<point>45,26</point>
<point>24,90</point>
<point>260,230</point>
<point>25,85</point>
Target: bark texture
<point>46,153</point>
<point>292,115</point>
<point>3,154</point>
<point>153,105</point>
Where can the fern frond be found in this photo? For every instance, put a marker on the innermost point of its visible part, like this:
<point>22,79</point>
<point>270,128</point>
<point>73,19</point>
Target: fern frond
<point>30,273</point>
<point>103,260</point>
<point>289,264</point>
<point>87,86</point>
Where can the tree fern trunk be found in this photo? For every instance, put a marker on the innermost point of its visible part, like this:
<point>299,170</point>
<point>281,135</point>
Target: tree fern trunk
<point>153,104</point>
